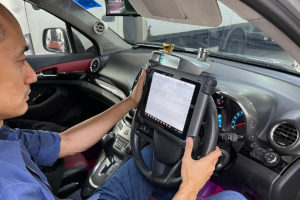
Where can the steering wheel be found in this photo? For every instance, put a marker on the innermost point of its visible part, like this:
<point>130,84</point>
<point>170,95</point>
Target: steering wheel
<point>168,149</point>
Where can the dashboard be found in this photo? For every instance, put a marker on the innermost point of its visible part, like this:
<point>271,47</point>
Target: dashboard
<point>258,115</point>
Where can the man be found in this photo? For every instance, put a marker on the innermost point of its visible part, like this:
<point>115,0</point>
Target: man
<point>21,151</point>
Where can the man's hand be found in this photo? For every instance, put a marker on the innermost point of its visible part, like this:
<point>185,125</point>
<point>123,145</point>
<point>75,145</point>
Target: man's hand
<point>195,173</point>
<point>137,92</point>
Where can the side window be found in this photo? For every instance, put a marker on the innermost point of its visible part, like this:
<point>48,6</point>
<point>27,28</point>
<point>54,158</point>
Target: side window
<point>44,33</point>
<point>38,20</point>
<point>82,43</point>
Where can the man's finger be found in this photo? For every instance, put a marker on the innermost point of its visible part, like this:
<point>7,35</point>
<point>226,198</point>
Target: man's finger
<point>215,161</point>
<point>214,154</point>
<point>142,78</point>
<point>188,147</point>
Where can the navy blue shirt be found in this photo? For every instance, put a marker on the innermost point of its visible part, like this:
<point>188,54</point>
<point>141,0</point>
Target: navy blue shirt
<point>21,151</point>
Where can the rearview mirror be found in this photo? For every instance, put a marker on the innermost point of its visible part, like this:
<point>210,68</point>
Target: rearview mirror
<point>119,8</point>
<point>56,40</point>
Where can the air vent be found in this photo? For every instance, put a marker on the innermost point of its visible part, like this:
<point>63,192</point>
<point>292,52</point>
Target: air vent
<point>284,135</point>
<point>136,79</point>
<point>95,65</point>
<point>99,27</point>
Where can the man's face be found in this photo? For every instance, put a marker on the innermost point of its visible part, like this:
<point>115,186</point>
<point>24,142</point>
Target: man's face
<point>15,73</point>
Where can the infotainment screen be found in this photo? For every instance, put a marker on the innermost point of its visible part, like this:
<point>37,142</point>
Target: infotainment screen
<point>169,102</point>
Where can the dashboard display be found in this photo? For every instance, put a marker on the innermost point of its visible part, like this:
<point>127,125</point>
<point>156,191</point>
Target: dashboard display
<point>237,120</point>
<point>220,101</point>
<point>169,101</point>
<point>169,61</point>
<point>220,120</point>
<point>231,118</point>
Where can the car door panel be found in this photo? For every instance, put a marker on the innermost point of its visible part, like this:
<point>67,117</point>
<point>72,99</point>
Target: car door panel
<point>79,65</point>
<point>53,97</point>
<point>43,98</point>
<point>79,61</point>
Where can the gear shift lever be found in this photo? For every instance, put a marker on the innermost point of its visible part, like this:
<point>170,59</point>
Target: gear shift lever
<point>108,141</point>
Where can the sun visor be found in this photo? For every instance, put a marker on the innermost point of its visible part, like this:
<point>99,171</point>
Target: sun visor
<point>197,12</point>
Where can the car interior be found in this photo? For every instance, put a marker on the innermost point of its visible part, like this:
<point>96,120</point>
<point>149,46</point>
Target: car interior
<point>246,105</point>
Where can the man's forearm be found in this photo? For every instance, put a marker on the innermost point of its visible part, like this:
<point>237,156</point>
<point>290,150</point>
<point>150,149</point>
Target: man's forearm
<point>87,133</point>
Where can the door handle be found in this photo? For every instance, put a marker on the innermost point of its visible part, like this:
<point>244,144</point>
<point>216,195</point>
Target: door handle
<point>42,75</point>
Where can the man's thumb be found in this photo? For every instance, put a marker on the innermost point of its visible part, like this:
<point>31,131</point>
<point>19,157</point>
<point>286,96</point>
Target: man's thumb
<point>188,147</point>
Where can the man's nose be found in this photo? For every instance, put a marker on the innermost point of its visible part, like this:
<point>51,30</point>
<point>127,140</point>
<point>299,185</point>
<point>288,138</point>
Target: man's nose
<point>29,74</point>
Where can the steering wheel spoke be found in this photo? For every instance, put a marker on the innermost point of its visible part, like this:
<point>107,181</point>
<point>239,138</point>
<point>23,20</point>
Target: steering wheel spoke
<point>158,169</point>
<point>173,171</point>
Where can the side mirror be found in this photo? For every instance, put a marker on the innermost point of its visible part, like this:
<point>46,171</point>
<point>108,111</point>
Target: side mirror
<point>56,40</point>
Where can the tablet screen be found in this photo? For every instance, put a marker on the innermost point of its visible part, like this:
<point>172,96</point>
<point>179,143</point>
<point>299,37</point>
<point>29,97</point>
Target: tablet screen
<point>169,101</point>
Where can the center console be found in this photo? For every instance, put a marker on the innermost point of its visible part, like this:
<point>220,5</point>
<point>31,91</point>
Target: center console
<point>116,151</point>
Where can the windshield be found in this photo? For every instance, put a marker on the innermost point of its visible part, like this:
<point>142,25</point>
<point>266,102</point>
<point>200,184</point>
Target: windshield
<point>235,38</point>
